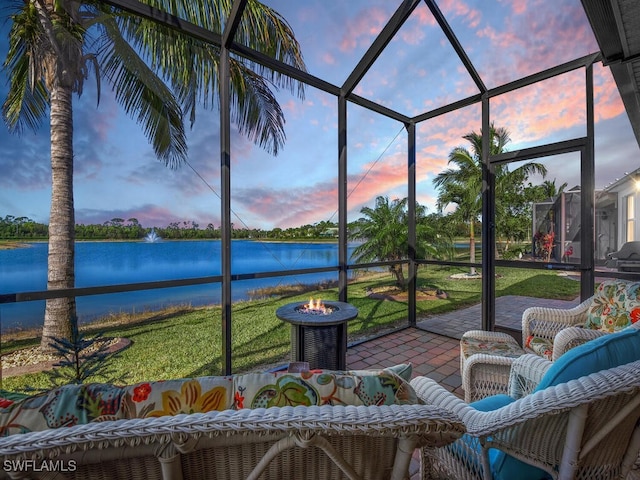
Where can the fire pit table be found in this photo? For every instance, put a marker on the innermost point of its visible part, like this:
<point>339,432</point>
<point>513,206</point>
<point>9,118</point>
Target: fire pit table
<point>319,332</point>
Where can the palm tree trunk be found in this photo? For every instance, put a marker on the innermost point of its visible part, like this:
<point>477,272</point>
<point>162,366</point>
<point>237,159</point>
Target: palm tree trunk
<point>399,274</point>
<point>472,246</point>
<point>60,312</point>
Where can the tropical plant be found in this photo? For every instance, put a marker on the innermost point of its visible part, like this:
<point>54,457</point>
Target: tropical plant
<point>158,76</point>
<point>549,189</point>
<point>384,230</point>
<point>462,184</point>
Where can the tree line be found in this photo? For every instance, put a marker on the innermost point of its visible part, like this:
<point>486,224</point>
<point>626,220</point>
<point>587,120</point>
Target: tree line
<point>24,228</point>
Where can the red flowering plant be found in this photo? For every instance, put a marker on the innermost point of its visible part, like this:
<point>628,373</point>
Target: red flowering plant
<point>544,243</point>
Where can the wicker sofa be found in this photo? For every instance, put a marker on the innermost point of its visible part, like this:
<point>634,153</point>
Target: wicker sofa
<point>313,425</point>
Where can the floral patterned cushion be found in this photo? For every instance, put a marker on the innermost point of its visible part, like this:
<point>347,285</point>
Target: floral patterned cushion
<point>470,345</point>
<point>80,404</point>
<point>172,397</point>
<point>264,390</point>
<point>62,407</point>
<point>540,346</point>
<point>615,305</point>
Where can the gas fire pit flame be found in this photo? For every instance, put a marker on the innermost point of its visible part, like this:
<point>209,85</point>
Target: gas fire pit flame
<point>315,307</point>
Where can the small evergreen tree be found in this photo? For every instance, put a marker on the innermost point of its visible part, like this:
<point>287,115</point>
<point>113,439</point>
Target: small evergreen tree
<point>82,359</point>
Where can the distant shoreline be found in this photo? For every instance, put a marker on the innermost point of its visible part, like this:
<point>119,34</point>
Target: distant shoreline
<point>12,245</point>
<point>293,240</point>
<point>15,244</point>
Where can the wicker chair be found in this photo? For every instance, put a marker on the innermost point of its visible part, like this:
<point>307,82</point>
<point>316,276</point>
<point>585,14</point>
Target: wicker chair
<point>563,329</point>
<point>546,332</point>
<point>584,428</point>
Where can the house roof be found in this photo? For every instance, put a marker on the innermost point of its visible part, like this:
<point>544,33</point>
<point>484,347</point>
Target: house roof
<point>616,25</point>
<point>621,182</point>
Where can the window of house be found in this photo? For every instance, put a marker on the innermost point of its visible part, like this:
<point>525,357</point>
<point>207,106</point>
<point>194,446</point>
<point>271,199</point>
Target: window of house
<point>631,213</point>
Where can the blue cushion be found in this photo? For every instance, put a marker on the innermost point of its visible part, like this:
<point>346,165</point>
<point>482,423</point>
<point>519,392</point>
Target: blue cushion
<point>503,466</point>
<point>494,402</point>
<point>604,352</point>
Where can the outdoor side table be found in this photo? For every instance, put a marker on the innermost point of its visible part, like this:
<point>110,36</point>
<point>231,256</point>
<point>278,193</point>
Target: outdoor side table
<point>485,363</point>
<point>319,339</point>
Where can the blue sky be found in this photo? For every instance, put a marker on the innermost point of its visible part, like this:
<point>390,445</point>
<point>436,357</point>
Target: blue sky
<point>117,174</point>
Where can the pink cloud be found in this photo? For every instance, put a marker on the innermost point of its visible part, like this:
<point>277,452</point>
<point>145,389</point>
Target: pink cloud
<point>422,15</point>
<point>518,7</point>
<point>606,96</point>
<point>558,104</point>
<point>328,58</point>
<point>319,201</point>
<point>470,16</point>
<point>367,24</point>
<point>413,31</point>
<point>289,207</point>
<point>148,216</point>
<point>379,178</point>
<point>291,107</point>
<point>536,114</point>
<point>426,199</point>
<point>528,43</point>
<point>412,36</point>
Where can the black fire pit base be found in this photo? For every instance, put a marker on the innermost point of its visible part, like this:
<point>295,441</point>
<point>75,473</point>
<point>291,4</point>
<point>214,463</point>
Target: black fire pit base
<point>320,340</point>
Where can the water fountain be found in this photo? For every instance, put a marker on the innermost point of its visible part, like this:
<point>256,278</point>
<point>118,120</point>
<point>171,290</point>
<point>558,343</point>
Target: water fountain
<point>152,236</point>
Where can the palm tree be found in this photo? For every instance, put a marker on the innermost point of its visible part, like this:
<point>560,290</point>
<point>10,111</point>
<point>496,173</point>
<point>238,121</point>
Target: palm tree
<point>462,185</point>
<point>385,229</point>
<point>549,188</point>
<point>157,75</point>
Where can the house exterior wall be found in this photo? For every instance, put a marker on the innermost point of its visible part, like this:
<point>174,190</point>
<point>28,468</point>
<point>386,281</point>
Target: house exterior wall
<point>628,216</point>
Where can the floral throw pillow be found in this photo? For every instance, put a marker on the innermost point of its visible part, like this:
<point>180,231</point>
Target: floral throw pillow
<point>172,397</point>
<point>376,387</point>
<point>615,305</point>
<point>541,346</point>
<point>64,406</point>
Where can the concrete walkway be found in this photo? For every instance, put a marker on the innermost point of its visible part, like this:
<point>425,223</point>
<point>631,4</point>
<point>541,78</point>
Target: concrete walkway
<point>509,311</point>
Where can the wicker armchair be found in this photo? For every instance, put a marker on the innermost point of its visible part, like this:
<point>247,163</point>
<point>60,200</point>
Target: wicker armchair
<point>563,328</point>
<point>486,357</point>
<point>586,427</point>
<point>614,306</point>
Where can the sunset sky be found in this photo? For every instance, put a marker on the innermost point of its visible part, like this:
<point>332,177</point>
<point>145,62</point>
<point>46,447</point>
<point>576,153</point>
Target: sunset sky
<point>117,175</point>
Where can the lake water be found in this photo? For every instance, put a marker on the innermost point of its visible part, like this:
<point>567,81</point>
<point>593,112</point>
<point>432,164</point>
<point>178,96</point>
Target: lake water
<point>112,263</point>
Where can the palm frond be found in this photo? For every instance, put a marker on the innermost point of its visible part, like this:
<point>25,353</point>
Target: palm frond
<point>255,110</point>
<point>142,93</point>
<point>265,30</point>
<point>27,100</point>
<point>191,66</point>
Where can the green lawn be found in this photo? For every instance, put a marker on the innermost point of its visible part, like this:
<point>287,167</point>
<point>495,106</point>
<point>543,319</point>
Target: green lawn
<point>188,342</point>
